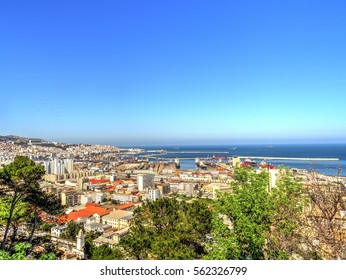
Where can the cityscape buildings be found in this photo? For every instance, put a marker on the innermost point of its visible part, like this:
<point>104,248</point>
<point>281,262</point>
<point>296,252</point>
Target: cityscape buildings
<point>100,186</point>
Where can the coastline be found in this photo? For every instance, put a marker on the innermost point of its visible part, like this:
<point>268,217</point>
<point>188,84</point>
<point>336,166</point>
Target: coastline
<point>324,158</point>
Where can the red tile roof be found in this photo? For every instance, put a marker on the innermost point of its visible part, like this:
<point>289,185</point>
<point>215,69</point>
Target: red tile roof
<point>79,214</point>
<point>62,219</point>
<point>91,209</point>
<point>96,181</point>
<point>124,206</point>
<point>98,210</point>
<point>92,204</point>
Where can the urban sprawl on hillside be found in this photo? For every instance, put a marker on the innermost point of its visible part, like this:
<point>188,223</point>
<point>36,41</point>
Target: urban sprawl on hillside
<point>100,187</point>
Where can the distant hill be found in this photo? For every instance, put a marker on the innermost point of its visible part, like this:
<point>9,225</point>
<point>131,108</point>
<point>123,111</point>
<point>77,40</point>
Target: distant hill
<point>19,139</point>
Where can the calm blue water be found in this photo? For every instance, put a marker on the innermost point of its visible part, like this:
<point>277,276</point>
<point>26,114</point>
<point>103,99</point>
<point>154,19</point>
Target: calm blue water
<point>189,153</point>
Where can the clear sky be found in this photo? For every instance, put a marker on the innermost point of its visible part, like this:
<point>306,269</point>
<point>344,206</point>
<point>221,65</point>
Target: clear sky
<point>173,72</point>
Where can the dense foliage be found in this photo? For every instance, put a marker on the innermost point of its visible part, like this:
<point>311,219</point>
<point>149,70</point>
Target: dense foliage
<point>71,232</point>
<point>104,252</point>
<point>169,229</point>
<point>265,222</point>
<point>20,252</point>
<point>22,201</point>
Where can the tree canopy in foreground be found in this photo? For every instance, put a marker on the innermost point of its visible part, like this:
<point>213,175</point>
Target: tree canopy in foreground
<point>169,229</point>
<point>22,199</point>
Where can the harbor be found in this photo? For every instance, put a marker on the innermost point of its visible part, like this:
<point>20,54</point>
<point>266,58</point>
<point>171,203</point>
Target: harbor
<point>250,157</point>
<point>290,158</point>
<point>326,159</point>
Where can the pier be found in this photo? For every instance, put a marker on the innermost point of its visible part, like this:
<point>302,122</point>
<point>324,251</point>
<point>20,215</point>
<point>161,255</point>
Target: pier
<point>196,152</point>
<point>244,157</point>
<point>172,159</point>
<point>289,158</point>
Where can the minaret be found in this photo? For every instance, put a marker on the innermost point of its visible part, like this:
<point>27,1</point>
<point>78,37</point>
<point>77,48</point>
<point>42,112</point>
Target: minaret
<point>177,163</point>
<point>80,240</point>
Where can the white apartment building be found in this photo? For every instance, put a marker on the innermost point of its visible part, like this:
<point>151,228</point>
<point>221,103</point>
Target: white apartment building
<point>122,198</point>
<point>57,231</point>
<point>154,194</point>
<point>59,166</point>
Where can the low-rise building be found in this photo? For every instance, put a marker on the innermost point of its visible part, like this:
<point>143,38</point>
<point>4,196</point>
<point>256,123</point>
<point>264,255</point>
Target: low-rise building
<point>127,206</point>
<point>154,193</point>
<point>91,210</point>
<point>122,198</point>
<point>111,238</point>
<point>118,219</point>
<point>70,198</point>
<point>104,241</point>
<point>213,189</point>
<point>95,227</point>
<point>86,198</point>
<point>57,231</point>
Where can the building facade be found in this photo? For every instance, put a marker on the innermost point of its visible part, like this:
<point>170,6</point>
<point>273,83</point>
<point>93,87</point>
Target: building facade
<point>154,194</point>
<point>145,181</point>
<point>118,219</point>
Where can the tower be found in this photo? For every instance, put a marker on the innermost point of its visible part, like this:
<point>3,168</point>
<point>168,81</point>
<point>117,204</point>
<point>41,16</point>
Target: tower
<point>235,161</point>
<point>80,240</point>
<point>145,181</point>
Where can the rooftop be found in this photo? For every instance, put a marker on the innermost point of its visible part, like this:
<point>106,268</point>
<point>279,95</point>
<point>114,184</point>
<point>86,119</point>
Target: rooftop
<point>105,240</point>
<point>119,214</point>
<point>124,206</point>
<point>90,210</point>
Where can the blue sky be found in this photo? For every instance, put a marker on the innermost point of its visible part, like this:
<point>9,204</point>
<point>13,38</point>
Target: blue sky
<point>173,72</point>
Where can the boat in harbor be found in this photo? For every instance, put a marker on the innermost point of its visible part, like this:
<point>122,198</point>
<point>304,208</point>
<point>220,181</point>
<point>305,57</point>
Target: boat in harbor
<point>249,162</point>
<point>200,164</point>
<point>218,157</point>
<point>265,165</point>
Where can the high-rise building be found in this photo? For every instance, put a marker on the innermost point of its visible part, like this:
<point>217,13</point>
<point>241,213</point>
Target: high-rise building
<point>58,166</point>
<point>68,164</point>
<point>46,165</point>
<point>145,181</point>
<point>54,166</point>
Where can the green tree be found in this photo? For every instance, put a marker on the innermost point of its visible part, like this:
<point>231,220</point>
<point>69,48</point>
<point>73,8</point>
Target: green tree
<point>248,208</point>
<point>21,178</point>
<point>264,223</point>
<point>104,252</point>
<point>223,243</point>
<point>169,229</point>
<point>72,230</point>
<point>288,200</point>
<point>20,215</point>
<point>46,227</point>
<point>19,252</point>
<point>39,202</point>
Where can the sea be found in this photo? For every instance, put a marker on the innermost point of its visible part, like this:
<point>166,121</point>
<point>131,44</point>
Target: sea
<point>188,154</point>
